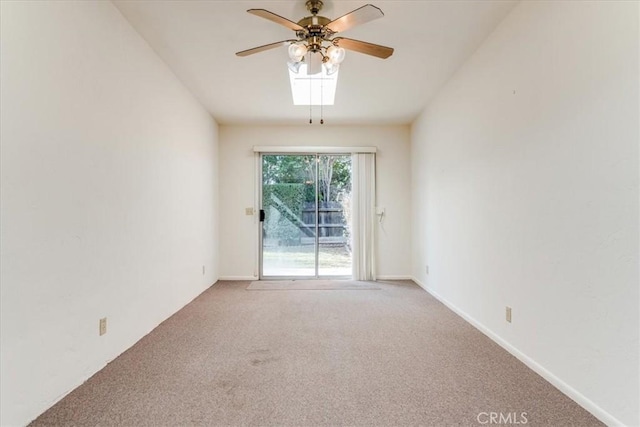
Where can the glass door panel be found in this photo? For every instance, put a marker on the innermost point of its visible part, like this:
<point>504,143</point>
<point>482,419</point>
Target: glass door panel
<point>334,215</point>
<point>306,200</point>
<point>289,204</point>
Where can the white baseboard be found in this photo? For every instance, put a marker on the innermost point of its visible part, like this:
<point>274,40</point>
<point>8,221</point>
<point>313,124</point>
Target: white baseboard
<point>394,278</point>
<point>238,278</point>
<point>574,394</point>
<point>244,278</point>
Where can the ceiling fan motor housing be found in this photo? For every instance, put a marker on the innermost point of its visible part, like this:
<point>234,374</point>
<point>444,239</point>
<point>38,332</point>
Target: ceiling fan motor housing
<point>314,6</point>
<point>314,31</point>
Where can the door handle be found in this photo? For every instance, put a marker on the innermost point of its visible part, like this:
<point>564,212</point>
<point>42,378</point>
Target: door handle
<point>261,215</point>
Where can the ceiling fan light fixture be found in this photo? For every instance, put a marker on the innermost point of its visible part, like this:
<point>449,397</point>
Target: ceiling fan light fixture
<point>331,68</point>
<point>335,54</point>
<point>297,51</point>
<point>315,54</point>
<point>294,66</point>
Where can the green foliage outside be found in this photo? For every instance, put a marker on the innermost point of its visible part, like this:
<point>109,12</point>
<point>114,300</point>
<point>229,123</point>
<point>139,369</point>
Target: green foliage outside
<point>290,179</point>
<point>334,174</point>
<point>283,205</point>
<point>291,195</point>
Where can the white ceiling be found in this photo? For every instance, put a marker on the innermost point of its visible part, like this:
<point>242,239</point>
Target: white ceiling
<point>198,40</point>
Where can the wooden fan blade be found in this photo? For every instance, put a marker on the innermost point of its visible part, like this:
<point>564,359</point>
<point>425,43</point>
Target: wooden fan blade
<point>263,13</point>
<point>263,48</point>
<point>364,47</point>
<point>359,16</point>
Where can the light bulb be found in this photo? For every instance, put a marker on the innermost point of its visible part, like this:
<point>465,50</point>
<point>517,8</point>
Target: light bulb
<point>297,51</point>
<point>336,54</point>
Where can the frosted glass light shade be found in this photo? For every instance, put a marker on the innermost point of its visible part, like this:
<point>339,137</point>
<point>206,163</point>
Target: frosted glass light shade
<point>331,68</point>
<point>294,66</point>
<point>297,51</point>
<point>336,54</point>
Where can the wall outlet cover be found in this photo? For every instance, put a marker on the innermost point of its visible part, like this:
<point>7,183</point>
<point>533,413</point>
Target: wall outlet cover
<point>103,326</point>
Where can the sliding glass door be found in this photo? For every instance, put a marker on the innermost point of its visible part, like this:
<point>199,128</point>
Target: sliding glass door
<point>288,237</point>
<point>334,215</point>
<point>305,216</point>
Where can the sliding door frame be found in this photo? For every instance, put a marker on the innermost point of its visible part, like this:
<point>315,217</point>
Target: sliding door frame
<point>310,151</point>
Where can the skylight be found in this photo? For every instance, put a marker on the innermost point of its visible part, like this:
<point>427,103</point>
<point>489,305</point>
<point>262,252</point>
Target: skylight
<point>316,89</point>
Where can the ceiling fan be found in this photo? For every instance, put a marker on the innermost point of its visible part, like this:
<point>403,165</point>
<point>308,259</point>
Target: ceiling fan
<point>316,37</point>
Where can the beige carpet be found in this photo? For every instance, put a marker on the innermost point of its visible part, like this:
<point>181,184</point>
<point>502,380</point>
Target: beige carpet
<point>311,285</point>
<point>394,357</point>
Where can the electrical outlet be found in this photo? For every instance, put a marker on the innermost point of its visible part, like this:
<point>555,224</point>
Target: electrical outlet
<point>508,313</point>
<point>203,270</point>
<point>427,269</point>
<point>103,326</point>
<point>248,211</point>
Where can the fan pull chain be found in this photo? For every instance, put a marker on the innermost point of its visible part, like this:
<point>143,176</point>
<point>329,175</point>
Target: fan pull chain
<point>321,98</point>
<point>310,120</point>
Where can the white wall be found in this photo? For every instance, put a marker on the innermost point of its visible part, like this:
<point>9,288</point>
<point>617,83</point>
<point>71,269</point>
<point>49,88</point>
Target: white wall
<point>525,167</point>
<point>109,186</point>
<point>239,233</point>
